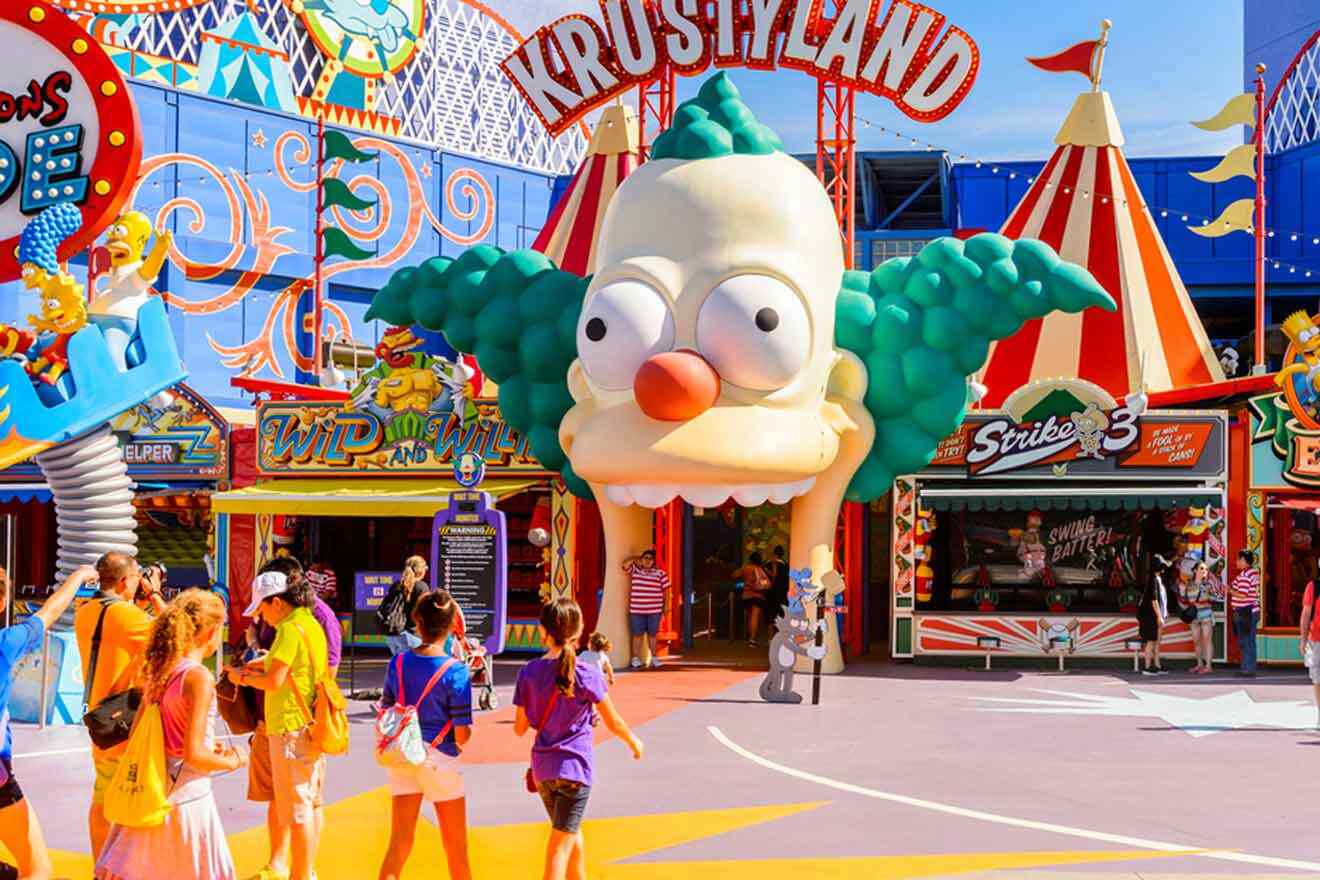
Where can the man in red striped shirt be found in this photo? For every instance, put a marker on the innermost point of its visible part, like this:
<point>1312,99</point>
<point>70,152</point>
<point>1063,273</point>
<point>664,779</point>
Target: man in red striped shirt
<point>646,604</point>
<point>1244,594</point>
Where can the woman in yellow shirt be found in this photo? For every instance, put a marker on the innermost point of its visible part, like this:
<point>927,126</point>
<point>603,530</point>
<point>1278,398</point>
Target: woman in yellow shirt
<point>295,662</point>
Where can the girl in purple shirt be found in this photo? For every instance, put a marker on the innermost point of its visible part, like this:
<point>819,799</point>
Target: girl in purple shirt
<point>560,691</point>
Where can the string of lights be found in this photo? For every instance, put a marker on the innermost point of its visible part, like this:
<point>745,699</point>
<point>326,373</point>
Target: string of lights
<point>1185,215</point>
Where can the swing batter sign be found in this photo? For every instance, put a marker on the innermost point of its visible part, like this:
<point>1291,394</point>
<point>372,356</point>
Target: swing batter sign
<point>894,48</point>
<point>68,128</point>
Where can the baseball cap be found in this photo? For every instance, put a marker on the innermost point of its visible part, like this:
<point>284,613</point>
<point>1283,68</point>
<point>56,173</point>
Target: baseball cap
<point>265,585</point>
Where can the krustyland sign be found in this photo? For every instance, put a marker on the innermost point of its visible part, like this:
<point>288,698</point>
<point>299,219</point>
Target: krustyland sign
<point>310,439</point>
<point>68,129</point>
<point>891,48</point>
<point>1118,443</point>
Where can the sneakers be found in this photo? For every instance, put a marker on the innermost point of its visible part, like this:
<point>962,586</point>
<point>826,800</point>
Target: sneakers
<point>1149,672</point>
<point>655,663</point>
<point>635,663</point>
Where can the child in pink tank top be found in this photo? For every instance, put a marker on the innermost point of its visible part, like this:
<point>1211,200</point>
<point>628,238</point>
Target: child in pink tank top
<point>191,842</point>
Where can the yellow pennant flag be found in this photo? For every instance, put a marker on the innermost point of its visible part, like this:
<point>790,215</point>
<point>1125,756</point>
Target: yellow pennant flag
<point>1237,217</point>
<point>1240,110</point>
<point>1239,161</point>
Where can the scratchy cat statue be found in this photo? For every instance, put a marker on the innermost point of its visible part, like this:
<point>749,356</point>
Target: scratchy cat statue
<point>794,637</point>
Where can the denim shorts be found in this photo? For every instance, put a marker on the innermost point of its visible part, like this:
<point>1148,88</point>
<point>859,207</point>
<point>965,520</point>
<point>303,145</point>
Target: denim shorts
<point>565,803</point>
<point>644,623</point>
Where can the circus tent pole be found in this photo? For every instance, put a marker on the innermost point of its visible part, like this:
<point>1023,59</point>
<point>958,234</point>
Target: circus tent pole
<point>1100,54</point>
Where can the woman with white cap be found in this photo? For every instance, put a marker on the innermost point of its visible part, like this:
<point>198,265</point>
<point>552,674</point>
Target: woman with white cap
<point>296,660</point>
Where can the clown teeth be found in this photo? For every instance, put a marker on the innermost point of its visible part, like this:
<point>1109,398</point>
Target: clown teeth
<point>653,495</point>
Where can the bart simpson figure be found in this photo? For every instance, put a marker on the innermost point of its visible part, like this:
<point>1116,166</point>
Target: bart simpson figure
<point>131,276</point>
<point>1305,337</point>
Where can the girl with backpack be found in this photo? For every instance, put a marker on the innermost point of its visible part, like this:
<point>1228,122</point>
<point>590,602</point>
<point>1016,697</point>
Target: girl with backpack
<point>443,711</point>
<point>560,691</point>
<point>191,841</point>
<point>396,609</point>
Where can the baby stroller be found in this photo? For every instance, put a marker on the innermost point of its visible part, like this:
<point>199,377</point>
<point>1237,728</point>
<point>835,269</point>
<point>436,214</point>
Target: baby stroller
<point>481,666</point>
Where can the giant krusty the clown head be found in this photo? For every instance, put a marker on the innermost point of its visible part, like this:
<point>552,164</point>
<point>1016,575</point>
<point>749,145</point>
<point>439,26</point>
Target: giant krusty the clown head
<point>721,351</point>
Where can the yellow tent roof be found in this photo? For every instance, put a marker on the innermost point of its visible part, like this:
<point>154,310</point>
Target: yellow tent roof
<point>330,497</point>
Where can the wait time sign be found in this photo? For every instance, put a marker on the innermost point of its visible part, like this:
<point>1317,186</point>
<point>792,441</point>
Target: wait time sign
<point>894,48</point>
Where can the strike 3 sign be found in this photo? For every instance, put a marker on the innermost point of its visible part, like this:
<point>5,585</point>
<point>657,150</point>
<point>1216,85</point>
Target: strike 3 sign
<point>68,127</point>
<point>894,48</point>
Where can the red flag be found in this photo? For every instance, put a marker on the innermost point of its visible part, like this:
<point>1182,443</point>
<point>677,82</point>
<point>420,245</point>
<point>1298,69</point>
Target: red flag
<point>1078,59</point>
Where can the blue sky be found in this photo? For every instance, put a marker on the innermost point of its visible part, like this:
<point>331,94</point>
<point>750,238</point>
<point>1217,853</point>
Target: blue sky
<point>1169,61</point>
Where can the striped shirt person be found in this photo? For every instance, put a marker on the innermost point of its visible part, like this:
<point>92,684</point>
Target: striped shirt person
<point>646,604</point>
<point>1244,599</point>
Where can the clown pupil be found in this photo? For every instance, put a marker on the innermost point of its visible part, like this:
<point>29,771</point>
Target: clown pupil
<point>595,329</point>
<point>767,319</point>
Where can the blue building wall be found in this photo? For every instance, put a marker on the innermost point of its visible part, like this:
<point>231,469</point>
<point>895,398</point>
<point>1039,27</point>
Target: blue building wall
<point>211,167</point>
<point>1272,32</point>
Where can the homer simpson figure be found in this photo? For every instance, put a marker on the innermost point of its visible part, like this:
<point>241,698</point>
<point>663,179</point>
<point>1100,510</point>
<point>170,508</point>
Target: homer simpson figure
<point>1305,337</point>
<point>131,276</point>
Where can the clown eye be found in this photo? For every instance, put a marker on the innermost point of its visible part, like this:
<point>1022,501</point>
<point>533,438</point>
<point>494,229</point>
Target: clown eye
<point>624,324</point>
<point>755,331</point>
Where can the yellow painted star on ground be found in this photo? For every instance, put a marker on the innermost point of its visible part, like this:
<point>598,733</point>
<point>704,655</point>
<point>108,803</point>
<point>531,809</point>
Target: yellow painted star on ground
<point>358,830</point>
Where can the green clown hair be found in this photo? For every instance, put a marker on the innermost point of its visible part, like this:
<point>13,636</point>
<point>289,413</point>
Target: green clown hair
<point>518,315</point>
<point>715,123</point>
<point>923,324</point>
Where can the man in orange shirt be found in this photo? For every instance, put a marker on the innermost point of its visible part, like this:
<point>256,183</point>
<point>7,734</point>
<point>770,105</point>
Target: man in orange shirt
<point>123,643</point>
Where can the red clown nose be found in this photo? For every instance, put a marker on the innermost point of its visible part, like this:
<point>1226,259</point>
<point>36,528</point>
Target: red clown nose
<point>676,386</point>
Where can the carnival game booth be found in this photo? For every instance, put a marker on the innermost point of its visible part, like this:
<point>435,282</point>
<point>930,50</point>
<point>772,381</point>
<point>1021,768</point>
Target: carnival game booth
<point>1033,530</point>
<point>175,446</point>
<point>352,491</point>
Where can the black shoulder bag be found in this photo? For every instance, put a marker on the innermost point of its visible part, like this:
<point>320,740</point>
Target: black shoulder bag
<point>392,615</point>
<point>111,722</point>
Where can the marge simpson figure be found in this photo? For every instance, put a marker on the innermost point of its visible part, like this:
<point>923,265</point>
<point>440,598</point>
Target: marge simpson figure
<point>132,272</point>
<point>62,309</point>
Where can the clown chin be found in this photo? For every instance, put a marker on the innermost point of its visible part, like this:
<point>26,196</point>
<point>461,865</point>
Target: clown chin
<point>745,495</point>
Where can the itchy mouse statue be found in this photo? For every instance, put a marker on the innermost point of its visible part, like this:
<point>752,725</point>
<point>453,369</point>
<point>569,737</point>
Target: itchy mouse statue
<point>720,350</point>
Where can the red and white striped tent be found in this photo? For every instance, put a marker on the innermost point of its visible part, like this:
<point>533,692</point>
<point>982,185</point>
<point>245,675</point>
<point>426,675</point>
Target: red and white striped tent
<point>1086,205</point>
<point>570,235</point>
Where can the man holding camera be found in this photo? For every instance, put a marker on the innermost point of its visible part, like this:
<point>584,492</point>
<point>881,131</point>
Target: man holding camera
<point>112,633</point>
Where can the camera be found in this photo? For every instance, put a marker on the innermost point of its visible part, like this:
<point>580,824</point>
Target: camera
<point>147,572</point>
